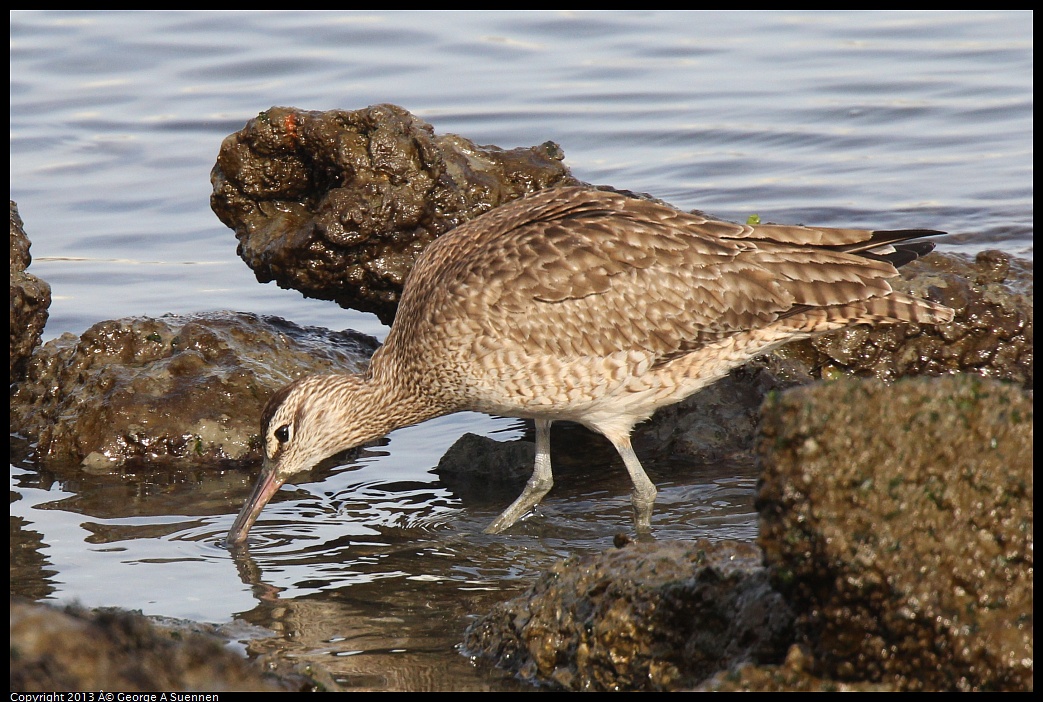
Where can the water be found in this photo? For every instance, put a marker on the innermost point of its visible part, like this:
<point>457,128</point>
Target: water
<point>874,119</point>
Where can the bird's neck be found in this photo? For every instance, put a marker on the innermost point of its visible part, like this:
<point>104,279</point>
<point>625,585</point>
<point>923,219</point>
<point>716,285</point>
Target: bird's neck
<point>389,400</point>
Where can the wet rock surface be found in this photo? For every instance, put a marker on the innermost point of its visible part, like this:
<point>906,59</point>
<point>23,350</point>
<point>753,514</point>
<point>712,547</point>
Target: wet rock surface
<point>898,523</point>
<point>477,468</point>
<point>30,298</point>
<point>339,204</point>
<point>173,391</point>
<point>642,617</point>
<point>71,649</point>
<point>795,674</point>
<point>991,335</point>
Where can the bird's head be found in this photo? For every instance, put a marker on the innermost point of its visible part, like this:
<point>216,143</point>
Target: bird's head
<point>303,423</point>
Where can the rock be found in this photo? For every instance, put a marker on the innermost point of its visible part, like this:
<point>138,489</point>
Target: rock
<point>175,391</point>
<point>991,335</point>
<point>897,521</point>
<point>795,674</point>
<point>648,616</point>
<point>30,298</point>
<point>75,650</point>
<point>339,204</point>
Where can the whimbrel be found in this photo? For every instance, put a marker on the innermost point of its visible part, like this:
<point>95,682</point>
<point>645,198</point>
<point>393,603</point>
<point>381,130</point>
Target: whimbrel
<point>591,306</point>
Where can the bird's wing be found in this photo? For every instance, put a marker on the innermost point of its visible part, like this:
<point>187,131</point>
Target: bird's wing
<point>580,272</point>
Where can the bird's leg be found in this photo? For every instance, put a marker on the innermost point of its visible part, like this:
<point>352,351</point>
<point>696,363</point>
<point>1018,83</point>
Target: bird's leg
<point>537,486</point>
<point>644,492</point>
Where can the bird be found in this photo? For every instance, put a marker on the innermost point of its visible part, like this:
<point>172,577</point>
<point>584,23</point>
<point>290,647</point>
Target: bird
<point>589,305</point>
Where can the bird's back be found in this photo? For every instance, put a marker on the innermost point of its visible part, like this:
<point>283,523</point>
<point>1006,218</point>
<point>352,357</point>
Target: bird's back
<point>572,295</point>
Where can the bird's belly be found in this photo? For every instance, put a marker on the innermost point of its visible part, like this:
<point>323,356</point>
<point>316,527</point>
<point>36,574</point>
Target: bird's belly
<point>623,386</point>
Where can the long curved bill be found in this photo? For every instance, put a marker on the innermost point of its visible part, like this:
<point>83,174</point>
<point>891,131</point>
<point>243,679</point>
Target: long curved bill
<point>268,483</point>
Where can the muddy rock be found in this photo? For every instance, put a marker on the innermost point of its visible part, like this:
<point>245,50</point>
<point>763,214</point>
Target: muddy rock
<point>30,298</point>
<point>184,391</point>
<point>339,204</point>
<point>990,336</point>
<point>795,674</point>
<point>719,422</point>
<point>897,521</point>
<point>646,616</point>
<point>73,649</point>
<point>480,470</point>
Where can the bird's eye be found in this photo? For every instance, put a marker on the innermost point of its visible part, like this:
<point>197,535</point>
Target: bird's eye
<point>283,433</point>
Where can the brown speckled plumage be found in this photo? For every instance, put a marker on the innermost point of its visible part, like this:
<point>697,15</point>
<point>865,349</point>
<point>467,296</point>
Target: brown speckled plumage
<point>591,306</point>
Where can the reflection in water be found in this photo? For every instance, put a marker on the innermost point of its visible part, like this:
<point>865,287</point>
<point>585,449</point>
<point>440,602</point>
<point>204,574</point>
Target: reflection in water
<point>373,579</point>
<point>382,609</point>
